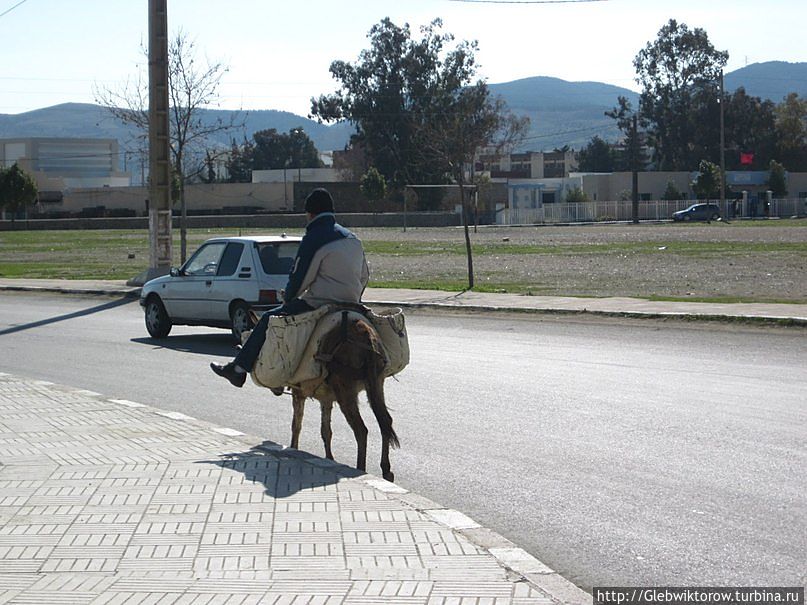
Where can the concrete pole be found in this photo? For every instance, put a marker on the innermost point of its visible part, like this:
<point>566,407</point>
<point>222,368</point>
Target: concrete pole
<point>634,167</point>
<point>722,149</point>
<point>160,244</point>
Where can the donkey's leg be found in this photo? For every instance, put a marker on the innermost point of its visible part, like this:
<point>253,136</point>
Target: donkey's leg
<point>386,472</point>
<point>325,427</point>
<point>298,403</point>
<point>349,404</point>
<point>375,395</point>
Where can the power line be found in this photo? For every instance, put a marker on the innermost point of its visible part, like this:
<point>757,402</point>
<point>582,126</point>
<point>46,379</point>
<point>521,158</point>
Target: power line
<point>4,13</point>
<point>527,1</point>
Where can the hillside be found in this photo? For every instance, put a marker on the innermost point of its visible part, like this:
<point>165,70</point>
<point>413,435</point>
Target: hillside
<point>87,120</point>
<point>561,112</point>
<point>773,80</point>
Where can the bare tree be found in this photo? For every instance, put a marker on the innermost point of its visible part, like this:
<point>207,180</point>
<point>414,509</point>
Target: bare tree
<point>469,120</point>
<point>192,88</point>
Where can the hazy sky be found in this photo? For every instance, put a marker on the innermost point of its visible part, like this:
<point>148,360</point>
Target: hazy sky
<point>57,51</point>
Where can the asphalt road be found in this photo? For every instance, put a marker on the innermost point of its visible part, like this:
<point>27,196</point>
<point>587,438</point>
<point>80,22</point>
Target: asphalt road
<point>617,452</point>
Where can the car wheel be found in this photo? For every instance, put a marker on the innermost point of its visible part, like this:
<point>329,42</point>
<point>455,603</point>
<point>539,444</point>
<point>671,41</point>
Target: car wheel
<point>715,216</point>
<point>687,217</point>
<point>240,320</point>
<point>158,323</point>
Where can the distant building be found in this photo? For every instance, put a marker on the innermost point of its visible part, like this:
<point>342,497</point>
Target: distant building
<point>298,175</point>
<point>59,164</point>
<point>527,165</point>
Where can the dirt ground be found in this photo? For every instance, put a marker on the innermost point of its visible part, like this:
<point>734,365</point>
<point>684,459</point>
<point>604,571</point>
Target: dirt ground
<point>759,262</point>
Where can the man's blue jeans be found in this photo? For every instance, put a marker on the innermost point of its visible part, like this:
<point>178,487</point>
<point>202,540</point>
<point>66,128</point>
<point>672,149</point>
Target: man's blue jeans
<point>252,347</point>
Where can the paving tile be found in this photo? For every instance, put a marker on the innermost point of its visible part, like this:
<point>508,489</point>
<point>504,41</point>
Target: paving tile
<point>108,503</point>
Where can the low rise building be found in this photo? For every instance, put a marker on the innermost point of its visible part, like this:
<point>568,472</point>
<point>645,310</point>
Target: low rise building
<point>527,165</point>
<point>66,162</point>
<point>61,164</point>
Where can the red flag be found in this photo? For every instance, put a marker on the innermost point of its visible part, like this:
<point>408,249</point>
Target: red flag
<point>746,159</point>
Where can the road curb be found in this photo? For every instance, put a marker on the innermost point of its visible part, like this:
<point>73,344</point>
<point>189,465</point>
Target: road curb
<point>124,293</point>
<point>682,316</point>
<point>783,321</point>
<point>520,565</point>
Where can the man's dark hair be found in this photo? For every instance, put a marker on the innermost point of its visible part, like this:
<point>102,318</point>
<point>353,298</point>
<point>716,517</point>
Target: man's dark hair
<point>319,201</point>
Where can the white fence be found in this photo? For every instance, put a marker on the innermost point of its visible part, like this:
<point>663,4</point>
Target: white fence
<point>648,210</point>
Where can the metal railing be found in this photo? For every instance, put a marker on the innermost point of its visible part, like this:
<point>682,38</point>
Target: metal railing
<point>648,210</point>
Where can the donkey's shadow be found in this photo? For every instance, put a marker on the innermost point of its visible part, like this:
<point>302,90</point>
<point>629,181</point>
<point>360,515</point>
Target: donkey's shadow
<point>283,471</point>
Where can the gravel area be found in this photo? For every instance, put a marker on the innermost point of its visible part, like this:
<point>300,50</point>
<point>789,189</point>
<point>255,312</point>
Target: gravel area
<point>751,262</point>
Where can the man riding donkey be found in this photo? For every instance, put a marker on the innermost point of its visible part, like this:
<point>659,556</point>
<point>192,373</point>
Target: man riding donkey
<point>330,267</point>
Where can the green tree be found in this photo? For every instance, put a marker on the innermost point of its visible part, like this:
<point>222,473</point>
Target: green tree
<point>373,185</point>
<point>209,174</point>
<point>419,115</point>
<point>273,150</point>
<point>389,96</point>
<point>270,150</point>
<point>777,179</point>
<point>750,128</point>
<point>630,154</point>
<point>707,182</point>
<point>302,151</point>
<point>239,162</point>
<point>576,196</point>
<point>17,190</point>
<point>791,131</point>
<point>671,70</point>
<point>671,192</point>
<point>597,156</point>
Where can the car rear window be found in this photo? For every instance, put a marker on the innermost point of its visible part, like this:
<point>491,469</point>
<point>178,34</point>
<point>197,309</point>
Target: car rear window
<point>277,258</point>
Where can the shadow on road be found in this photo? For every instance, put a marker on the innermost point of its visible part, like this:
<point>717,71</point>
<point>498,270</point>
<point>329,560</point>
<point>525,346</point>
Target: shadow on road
<point>50,320</point>
<point>201,344</point>
<point>282,471</point>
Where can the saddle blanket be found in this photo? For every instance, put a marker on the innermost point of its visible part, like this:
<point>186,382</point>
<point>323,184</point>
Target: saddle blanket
<point>288,357</point>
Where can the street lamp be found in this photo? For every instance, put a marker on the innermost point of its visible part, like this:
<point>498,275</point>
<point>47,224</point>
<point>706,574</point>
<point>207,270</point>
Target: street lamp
<point>296,143</point>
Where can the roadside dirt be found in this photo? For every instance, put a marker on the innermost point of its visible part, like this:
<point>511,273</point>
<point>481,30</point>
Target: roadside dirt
<point>713,261</point>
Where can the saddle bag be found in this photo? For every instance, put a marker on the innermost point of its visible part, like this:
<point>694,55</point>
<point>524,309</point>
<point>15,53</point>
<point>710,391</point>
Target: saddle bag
<point>286,339</point>
<point>391,327</point>
<point>290,354</point>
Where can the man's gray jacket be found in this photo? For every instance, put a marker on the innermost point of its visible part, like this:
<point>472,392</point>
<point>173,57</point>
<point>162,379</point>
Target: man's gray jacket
<point>330,265</point>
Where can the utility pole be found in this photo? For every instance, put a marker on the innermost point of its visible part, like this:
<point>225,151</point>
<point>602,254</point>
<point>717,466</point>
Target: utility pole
<point>722,149</point>
<point>160,243</point>
<point>634,166</point>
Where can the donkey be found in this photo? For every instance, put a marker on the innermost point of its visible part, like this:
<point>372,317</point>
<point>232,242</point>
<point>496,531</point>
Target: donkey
<point>353,355</point>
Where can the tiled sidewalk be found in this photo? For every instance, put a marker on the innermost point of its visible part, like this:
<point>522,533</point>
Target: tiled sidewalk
<point>108,501</point>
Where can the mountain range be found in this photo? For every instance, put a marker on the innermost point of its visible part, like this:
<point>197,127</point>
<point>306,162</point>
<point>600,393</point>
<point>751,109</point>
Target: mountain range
<point>561,112</point>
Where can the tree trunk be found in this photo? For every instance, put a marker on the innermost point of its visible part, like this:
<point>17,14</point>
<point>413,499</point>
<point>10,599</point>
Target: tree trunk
<point>467,234</point>
<point>183,222</point>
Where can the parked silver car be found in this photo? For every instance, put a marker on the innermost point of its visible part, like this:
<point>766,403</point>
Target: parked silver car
<point>218,284</point>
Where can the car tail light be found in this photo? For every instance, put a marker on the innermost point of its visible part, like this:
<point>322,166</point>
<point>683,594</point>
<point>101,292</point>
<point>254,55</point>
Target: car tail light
<point>267,296</point>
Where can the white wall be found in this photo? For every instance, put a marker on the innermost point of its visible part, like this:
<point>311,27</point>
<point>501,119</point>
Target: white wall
<point>13,152</point>
<point>305,175</point>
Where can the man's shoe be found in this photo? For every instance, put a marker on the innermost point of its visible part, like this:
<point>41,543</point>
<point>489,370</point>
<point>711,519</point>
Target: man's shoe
<point>237,379</point>
<point>277,390</point>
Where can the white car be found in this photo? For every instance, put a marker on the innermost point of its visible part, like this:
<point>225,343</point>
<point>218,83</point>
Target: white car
<point>218,284</point>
